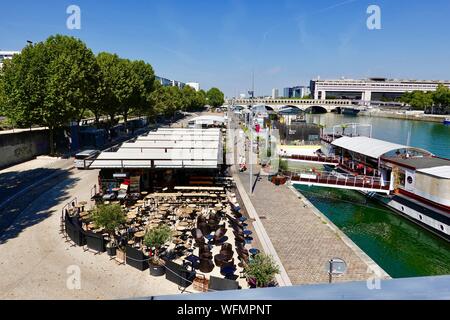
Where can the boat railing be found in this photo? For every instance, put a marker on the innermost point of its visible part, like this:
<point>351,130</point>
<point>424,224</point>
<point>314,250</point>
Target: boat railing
<point>338,179</point>
<point>313,158</point>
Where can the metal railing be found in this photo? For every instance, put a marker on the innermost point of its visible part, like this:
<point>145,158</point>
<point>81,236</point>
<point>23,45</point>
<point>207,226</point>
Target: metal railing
<point>338,179</point>
<point>312,158</point>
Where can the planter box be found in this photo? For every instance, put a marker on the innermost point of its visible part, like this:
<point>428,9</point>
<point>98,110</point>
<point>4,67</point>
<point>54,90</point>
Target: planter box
<point>95,241</point>
<point>156,270</point>
<point>136,258</point>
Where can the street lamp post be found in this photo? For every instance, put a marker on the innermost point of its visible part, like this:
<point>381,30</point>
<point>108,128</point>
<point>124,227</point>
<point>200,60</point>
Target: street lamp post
<point>250,157</point>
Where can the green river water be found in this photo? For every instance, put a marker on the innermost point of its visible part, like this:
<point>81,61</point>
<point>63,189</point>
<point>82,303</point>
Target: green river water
<point>400,247</point>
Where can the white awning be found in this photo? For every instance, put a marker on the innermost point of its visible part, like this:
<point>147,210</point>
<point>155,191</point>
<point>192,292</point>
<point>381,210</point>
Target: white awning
<point>167,148</point>
<point>370,147</point>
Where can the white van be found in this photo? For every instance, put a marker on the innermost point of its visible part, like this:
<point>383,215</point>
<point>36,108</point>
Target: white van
<point>85,158</point>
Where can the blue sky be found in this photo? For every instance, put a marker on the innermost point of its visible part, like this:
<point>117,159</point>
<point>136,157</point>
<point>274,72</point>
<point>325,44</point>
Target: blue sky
<point>219,42</point>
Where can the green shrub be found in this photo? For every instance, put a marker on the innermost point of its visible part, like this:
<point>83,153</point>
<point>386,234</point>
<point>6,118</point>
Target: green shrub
<point>108,216</point>
<point>157,237</point>
<point>262,268</point>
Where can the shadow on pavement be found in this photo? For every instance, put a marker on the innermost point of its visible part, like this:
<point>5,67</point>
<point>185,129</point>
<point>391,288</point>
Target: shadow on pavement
<point>18,214</point>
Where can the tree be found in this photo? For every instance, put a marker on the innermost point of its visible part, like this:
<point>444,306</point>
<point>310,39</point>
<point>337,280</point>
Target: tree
<point>109,217</point>
<point>441,98</point>
<point>215,97</point>
<point>418,100</point>
<point>143,84</point>
<point>49,83</point>
<point>189,96</point>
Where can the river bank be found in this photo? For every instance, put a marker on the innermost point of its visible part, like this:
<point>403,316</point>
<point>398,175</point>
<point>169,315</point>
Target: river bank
<point>414,116</point>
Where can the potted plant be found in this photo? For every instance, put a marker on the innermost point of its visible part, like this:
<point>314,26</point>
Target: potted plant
<point>261,271</point>
<point>109,217</point>
<point>155,239</point>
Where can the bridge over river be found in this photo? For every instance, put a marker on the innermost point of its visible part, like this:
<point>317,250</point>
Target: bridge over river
<point>307,105</point>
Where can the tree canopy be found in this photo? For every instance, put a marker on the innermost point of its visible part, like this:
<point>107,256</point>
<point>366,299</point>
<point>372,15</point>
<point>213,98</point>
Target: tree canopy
<point>49,83</point>
<point>438,100</point>
<point>60,80</point>
<point>215,97</point>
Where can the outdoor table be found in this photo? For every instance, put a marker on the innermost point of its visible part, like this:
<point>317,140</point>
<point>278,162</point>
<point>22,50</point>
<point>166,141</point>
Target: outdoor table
<point>85,214</point>
<point>184,224</point>
<point>139,234</point>
<point>131,216</point>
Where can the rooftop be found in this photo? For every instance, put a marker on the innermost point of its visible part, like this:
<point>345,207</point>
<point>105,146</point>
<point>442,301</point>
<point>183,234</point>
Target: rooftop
<point>422,162</point>
<point>370,147</point>
<point>166,148</point>
<point>442,172</point>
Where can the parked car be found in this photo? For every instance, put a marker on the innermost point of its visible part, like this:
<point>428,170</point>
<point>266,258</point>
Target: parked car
<point>85,158</point>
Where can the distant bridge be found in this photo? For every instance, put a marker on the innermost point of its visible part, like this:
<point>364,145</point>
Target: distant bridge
<point>319,106</point>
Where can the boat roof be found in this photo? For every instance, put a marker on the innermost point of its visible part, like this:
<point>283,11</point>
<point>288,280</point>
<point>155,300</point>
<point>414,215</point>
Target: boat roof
<point>421,162</point>
<point>442,172</point>
<point>370,147</point>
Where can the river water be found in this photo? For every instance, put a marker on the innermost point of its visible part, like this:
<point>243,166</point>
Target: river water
<point>400,247</point>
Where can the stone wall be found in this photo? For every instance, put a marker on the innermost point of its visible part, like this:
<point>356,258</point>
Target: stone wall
<point>22,146</point>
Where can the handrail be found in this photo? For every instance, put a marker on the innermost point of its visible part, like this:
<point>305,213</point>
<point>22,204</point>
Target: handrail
<point>335,178</point>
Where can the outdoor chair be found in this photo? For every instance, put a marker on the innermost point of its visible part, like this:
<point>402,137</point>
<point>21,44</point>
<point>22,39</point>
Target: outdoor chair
<point>227,251</point>
<point>198,237</point>
<point>206,265</point>
<point>192,261</point>
<point>220,233</point>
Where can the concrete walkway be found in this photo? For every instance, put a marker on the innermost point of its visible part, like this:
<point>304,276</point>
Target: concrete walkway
<point>304,239</point>
<point>36,263</point>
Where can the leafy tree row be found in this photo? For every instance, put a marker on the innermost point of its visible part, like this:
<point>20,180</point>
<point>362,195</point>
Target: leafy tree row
<point>60,80</point>
<point>437,101</point>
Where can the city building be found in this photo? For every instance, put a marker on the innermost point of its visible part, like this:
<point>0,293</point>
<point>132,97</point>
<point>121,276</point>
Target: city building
<point>170,83</point>
<point>372,89</point>
<point>296,92</point>
<point>194,85</point>
<point>288,92</point>
<point>275,93</point>
<point>6,55</point>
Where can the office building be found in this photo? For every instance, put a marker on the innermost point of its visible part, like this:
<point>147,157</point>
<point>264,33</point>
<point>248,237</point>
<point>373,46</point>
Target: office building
<point>6,55</point>
<point>372,89</point>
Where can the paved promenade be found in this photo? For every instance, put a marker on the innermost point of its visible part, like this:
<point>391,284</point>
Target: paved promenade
<point>303,238</point>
